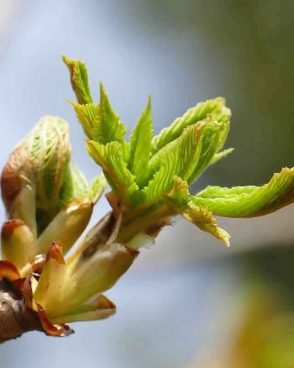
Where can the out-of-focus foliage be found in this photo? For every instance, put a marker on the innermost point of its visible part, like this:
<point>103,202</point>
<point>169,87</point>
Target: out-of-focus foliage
<point>263,332</point>
<point>248,48</point>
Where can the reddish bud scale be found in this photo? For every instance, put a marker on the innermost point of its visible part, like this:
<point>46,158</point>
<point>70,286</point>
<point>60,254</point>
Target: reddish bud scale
<point>11,175</point>
<point>8,271</point>
<point>50,328</point>
<point>38,263</point>
<point>55,252</point>
<point>9,227</point>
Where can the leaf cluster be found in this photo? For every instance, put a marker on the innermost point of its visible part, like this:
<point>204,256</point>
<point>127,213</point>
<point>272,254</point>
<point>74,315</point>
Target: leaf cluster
<point>148,171</point>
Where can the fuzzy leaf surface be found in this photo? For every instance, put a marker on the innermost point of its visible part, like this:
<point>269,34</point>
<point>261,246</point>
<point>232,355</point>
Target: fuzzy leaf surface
<point>99,121</point>
<point>199,215</point>
<point>110,158</point>
<point>249,201</point>
<point>140,145</point>
<point>79,80</point>
<point>215,108</point>
<point>179,157</point>
<point>50,149</point>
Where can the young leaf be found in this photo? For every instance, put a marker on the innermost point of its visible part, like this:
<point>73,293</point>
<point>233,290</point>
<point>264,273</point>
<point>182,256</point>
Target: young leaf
<point>110,158</point>
<point>140,145</point>
<point>50,149</point>
<point>215,108</point>
<point>177,158</point>
<point>100,123</point>
<point>200,216</point>
<point>211,141</point>
<point>111,128</point>
<point>249,201</point>
<point>79,80</point>
<point>220,155</point>
<point>203,218</point>
<point>88,116</point>
<point>75,184</point>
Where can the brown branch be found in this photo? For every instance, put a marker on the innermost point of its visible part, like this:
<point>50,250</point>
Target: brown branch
<point>15,317</point>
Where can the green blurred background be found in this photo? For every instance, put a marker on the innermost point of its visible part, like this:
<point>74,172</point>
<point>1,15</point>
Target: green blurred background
<point>188,302</point>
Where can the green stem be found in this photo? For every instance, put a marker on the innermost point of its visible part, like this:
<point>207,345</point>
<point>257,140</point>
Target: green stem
<point>147,221</point>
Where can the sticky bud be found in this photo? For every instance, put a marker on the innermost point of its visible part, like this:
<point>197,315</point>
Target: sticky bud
<point>33,177</point>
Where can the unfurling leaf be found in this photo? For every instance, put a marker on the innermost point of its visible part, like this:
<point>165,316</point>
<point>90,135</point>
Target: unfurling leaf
<point>211,142</point>
<point>204,219</point>
<point>75,184</point>
<point>112,129</point>
<point>110,158</point>
<point>186,157</point>
<point>199,215</point>
<point>99,121</point>
<point>249,201</point>
<point>220,155</point>
<point>215,108</point>
<point>177,158</point>
<point>79,80</point>
<point>140,145</point>
<point>50,150</point>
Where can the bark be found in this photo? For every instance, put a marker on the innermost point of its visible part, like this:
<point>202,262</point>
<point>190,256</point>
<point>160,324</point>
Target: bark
<point>15,317</point>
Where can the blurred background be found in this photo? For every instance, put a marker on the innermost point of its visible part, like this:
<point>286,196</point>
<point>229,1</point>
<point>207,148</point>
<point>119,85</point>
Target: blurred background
<point>187,302</point>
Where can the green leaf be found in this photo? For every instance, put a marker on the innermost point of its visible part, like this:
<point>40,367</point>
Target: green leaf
<point>203,218</point>
<point>187,156</point>
<point>100,122</point>
<point>110,127</point>
<point>249,201</point>
<point>177,158</point>
<point>141,145</point>
<point>211,141</point>
<point>200,216</point>
<point>88,116</point>
<point>80,183</point>
<point>220,155</point>
<point>75,184</point>
<point>215,108</point>
<point>50,149</point>
<point>79,80</point>
<point>110,158</point>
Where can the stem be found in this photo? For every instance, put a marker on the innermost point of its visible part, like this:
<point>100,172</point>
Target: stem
<point>15,317</point>
<point>145,221</point>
